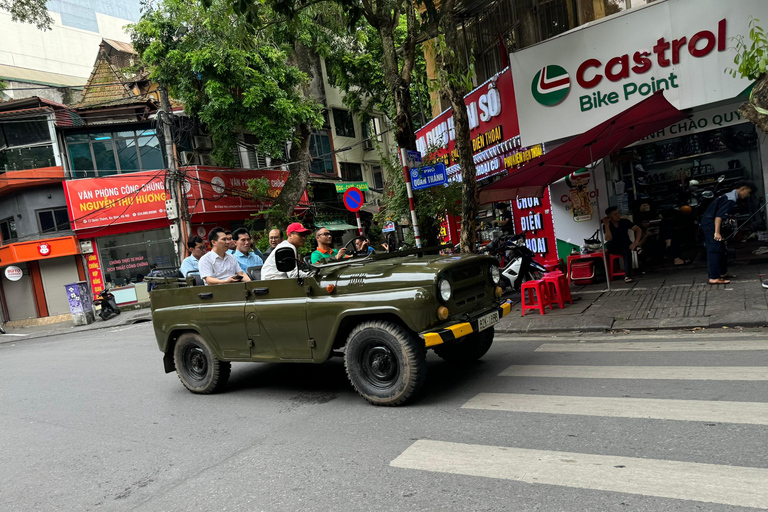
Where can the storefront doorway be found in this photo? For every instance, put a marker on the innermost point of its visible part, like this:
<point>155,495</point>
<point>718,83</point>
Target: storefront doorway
<point>127,258</point>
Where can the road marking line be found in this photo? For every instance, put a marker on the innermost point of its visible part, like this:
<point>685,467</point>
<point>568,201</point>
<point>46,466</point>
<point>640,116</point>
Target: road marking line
<point>650,346</point>
<point>733,373</point>
<point>696,336</point>
<point>710,483</point>
<point>752,413</point>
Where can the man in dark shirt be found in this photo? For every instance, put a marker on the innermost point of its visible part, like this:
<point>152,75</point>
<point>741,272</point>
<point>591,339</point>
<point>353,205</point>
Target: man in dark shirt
<point>505,219</point>
<point>617,238</point>
<point>712,221</point>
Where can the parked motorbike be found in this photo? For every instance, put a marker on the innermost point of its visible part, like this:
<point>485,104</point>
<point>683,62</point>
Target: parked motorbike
<point>517,261</point>
<point>108,305</point>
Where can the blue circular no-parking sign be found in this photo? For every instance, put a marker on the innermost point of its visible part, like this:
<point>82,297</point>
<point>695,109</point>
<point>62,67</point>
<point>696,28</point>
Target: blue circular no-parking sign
<point>353,199</point>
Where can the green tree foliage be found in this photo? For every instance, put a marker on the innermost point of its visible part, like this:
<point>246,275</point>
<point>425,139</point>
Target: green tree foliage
<point>230,70</point>
<point>752,60</point>
<point>28,11</point>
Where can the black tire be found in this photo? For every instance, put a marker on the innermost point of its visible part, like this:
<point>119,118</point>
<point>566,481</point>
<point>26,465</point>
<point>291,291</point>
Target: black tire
<point>197,367</point>
<point>117,311</point>
<point>385,363</point>
<point>468,349</point>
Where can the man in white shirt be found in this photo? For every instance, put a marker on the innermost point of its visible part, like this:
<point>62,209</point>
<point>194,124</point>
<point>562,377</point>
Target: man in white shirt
<point>297,235</point>
<point>218,267</point>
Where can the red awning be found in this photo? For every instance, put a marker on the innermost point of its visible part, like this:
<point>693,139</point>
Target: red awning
<point>638,121</point>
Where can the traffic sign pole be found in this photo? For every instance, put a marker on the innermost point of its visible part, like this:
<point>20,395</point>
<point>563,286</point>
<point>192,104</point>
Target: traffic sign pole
<point>411,202</point>
<point>359,224</point>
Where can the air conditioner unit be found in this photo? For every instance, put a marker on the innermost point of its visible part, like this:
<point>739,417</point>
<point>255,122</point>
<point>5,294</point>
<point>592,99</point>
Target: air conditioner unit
<point>201,142</point>
<point>188,158</point>
<point>207,160</point>
<point>368,145</point>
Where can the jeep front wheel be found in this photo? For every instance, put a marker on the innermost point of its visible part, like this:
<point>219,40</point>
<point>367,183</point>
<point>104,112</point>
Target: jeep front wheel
<point>198,368</point>
<point>385,363</point>
<point>468,349</point>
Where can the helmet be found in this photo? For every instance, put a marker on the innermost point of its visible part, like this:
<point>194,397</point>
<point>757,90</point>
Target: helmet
<point>685,209</point>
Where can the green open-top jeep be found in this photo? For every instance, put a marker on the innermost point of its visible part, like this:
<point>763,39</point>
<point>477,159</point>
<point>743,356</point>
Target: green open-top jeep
<point>380,312</point>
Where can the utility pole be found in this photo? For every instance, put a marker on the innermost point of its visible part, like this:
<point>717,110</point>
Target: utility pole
<point>176,207</point>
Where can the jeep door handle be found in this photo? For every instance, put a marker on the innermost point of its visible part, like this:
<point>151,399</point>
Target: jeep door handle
<point>260,291</point>
<point>206,295</point>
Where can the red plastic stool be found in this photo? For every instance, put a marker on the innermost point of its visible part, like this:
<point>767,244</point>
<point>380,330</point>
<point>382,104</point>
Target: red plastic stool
<point>557,287</point>
<point>539,288</point>
<point>613,269</point>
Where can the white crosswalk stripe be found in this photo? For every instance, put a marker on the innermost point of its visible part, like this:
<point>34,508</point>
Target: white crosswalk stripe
<point>686,410</point>
<point>647,346</point>
<point>711,483</point>
<point>757,373</point>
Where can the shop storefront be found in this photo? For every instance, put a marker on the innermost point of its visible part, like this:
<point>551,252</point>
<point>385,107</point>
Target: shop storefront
<point>574,82</point>
<point>34,274</point>
<point>497,151</point>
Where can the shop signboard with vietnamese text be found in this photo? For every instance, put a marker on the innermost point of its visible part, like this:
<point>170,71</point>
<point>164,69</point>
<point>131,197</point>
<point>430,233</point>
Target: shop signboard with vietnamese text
<point>575,81</point>
<point>532,217</point>
<point>700,121</point>
<point>94,273</point>
<point>492,121</point>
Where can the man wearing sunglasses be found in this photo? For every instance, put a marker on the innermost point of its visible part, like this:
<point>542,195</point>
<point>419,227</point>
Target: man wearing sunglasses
<point>325,250</point>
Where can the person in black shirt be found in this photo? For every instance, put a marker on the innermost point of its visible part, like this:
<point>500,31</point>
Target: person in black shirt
<point>712,221</point>
<point>617,238</point>
<point>505,220</point>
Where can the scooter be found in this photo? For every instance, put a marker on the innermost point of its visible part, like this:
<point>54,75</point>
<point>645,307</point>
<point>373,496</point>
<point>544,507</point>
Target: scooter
<point>108,304</point>
<point>520,264</point>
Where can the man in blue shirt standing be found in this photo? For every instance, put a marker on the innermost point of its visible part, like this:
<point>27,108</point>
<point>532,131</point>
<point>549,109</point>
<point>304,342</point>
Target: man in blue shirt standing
<point>191,263</point>
<point>712,221</point>
<point>243,254</point>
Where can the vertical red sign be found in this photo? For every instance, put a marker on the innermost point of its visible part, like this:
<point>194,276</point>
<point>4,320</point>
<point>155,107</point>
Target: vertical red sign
<point>94,273</point>
<point>533,217</point>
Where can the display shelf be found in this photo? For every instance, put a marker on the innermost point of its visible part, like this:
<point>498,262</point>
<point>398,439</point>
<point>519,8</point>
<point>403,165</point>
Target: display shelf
<point>677,180</point>
<point>698,155</point>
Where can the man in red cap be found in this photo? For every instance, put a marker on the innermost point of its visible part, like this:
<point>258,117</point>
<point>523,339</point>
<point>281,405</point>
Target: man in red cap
<point>297,235</point>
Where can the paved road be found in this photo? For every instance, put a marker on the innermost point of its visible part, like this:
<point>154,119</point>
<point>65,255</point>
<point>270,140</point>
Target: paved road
<point>655,422</point>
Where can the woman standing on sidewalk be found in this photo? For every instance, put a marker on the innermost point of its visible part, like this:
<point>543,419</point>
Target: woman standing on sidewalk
<point>712,221</point>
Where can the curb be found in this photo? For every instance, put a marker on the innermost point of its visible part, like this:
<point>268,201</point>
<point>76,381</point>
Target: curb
<point>638,325</point>
<point>93,327</point>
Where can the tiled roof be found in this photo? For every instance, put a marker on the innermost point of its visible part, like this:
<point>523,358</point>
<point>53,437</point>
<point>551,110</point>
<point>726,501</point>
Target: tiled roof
<point>105,85</point>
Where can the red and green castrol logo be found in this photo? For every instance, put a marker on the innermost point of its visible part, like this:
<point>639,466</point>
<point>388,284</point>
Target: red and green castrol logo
<point>551,85</point>
<point>580,177</point>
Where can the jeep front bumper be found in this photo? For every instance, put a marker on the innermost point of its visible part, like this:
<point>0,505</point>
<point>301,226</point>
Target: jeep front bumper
<point>459,330</point>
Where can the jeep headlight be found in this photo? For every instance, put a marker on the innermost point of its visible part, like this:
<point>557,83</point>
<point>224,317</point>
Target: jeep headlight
<point>444,287</point>
<point>495,274</point>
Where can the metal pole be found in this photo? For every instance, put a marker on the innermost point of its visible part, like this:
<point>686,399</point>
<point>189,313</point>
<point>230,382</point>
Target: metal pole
<point>176,180</point>
<point>600,224</point>
<point>411,202</point>
<point>359,224</point>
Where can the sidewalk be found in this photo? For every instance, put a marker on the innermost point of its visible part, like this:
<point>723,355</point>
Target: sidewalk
<point>667,298</point>
<point>41,331</point>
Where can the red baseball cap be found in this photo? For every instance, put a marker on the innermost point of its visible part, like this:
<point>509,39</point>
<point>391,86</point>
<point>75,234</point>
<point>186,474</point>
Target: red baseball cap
<point>297,227</point>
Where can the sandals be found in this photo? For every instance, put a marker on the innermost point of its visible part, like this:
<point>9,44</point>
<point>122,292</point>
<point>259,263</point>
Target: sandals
<point>684,262</point>
<point>719,281</point>
<point>627,279</point>
<point>727,276</point>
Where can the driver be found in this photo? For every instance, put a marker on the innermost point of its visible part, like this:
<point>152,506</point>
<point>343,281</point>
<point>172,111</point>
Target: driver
<point>325,250</point>
<point>297,235</point>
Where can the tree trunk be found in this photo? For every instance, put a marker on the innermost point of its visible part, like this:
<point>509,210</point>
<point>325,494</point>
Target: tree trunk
<point>298,177</point>
<point>759,99</point>
<point>454,89</point>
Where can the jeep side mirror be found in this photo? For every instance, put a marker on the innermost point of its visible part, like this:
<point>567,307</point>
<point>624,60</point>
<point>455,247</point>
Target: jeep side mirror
<point>285,259</point>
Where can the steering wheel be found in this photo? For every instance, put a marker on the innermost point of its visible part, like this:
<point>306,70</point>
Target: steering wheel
<point>352,248</point>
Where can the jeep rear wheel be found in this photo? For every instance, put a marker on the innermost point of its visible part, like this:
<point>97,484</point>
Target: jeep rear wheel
<point>198,368</point>
<point>467,349</point>
<point>385,363</point>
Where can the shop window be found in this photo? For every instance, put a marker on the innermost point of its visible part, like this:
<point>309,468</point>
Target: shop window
<point>8,230</point>
<point>105,153</point>
<point>53,219</point>
<point>378,177</point>
<point>351,172</point>
<point>127,258</point>
<point>345,123</point>
<point>553,18</point>
<point>25,144</point>
<point>320,150</point>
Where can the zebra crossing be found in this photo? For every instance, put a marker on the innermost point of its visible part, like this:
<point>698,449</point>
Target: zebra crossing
<point>732,485</point>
